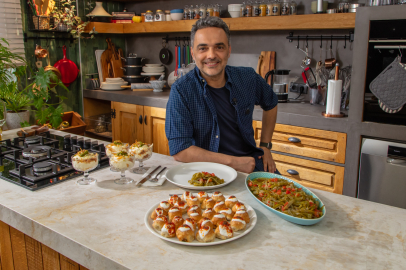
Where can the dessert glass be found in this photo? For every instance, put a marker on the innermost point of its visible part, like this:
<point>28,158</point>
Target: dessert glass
<point>121,162</point>
<point>114,148</point>
<point>141,152</point>
<point>85,164</point>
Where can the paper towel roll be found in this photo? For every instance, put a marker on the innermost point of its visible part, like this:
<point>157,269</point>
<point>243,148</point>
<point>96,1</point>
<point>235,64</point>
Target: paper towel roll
<point>334,96</point>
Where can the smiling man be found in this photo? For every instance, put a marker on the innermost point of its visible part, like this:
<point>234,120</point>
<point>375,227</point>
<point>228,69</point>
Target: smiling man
<point>209,112</point>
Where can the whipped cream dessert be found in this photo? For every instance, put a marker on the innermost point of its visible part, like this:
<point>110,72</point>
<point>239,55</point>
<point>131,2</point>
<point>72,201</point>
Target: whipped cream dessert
<point>121,161</point>
<point>115,147</point>
<point>141,151</point>
<point>84,161</point>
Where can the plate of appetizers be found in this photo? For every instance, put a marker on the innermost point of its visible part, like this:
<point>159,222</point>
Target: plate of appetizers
<point>201,175</point>
<point>286,198</point>
<point>200,219</point>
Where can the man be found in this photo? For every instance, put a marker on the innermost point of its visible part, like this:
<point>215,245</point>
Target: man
<point>209,112</point>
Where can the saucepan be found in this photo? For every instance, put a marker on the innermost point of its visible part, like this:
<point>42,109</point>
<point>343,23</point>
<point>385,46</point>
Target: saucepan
<point>132,70</point>
<point>133,60</point>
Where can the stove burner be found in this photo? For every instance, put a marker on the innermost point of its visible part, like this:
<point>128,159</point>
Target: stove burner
<point>32,140</point>
<point>35,151</point>
<point>42,167</point>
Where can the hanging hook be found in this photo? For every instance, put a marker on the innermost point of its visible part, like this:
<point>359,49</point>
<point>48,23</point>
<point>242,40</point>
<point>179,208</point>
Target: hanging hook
<point>297,46</point>
<point>307,42</point>
<point>321,41</point>
<point>345,42</point>
<point>331,42</point>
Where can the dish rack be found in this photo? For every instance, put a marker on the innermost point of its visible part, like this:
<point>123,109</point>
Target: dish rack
<point>99,126</point>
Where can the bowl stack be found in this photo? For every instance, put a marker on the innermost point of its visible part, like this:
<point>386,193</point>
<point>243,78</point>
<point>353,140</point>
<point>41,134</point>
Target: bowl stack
<point>153,70</point>
<point>234,10</point>
<point>113,84</point>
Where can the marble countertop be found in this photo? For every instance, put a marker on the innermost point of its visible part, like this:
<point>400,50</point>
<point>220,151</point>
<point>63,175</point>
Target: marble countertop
<point>101,226</point>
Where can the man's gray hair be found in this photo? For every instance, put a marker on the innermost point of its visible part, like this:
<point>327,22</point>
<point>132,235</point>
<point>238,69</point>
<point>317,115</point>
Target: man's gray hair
<point>210,22</point>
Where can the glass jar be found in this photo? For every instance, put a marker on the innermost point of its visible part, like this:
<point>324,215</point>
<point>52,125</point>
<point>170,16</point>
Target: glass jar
<point>168,15</point>
<point>276,8</point>
<point>216,10</point>
<point>285,8</point>
<point>202,11</point>
<point>242,10</point>
<point>159,16</point>
<point>209,10</point>
<point>262,9</point>
<point>293,8</point>
<point>255,9</point>
<point>186,13</point>
<point>143,17</point>
<point>248,9</point>
<point>197,12</point>
<point>191,12</point>
<point>149,16</point>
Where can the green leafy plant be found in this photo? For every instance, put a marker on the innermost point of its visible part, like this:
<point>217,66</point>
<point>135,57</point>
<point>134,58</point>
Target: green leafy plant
<point>40,92</point>
<point>9,61</point>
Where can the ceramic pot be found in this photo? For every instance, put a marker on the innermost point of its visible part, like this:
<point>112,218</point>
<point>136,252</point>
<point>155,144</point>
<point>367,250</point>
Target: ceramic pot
<point>14,119</point>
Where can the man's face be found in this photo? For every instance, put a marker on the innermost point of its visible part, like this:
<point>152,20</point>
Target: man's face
<point>211,51</point>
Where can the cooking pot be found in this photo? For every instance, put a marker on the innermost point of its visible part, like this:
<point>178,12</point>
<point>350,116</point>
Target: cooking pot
<point>135,78</point>
<point>132,70</point>
<point>133,60</point>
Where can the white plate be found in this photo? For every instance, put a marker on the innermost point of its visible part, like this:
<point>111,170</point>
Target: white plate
<point>253,221</point>
<point>181,174</point>
<point>152,74</point>
<point>152,70</point>
<point>111,87</point>
<point>98,54</point>
<point>153,65</point>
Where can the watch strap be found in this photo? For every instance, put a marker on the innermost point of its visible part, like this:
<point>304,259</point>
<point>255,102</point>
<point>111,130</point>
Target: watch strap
<point>267,145</point>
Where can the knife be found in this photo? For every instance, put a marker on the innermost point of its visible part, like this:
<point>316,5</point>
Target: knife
<point>146,178</point>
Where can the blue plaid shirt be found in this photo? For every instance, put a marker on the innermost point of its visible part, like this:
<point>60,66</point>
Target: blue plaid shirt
<point>191,117</point>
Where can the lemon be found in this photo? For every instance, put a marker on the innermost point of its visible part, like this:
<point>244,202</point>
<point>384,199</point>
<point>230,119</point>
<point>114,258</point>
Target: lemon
<point>137,19</point>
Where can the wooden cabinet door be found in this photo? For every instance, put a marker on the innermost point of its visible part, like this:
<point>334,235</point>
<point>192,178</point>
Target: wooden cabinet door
<point>127,125</point>
<point>154,129</point>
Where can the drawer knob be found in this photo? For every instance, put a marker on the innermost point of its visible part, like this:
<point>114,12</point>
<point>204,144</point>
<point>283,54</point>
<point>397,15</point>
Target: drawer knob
<point>294,140</point>
<point>292,172</point>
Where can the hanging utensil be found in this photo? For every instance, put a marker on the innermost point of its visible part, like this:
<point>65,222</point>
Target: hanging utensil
<point>187,52</point>
<point>54,70</point>
<point>330,62</point>
<point>179,55</point>
<point>164,54</point>
<point>68,69</point>
<point>176,58</point>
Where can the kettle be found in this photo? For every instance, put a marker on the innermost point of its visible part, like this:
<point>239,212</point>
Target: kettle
<point>279,83</point>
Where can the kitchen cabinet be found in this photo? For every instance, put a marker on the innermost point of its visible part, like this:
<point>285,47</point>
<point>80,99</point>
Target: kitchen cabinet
<point>143,123</point>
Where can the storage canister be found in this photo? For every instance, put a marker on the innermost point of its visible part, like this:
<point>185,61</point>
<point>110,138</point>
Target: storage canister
<point>168,15</point>
<point>159,16</point>
<point>149,16</point>
<point>285,8</point>
<point>248,10</point>
<point>276,8</point>
<point>209,11</point>
<point>293,8</point>
<point>262,9</point>
<point>255,9</point>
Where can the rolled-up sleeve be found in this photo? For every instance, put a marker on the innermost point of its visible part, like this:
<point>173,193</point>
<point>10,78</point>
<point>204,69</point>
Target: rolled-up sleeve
<point>178,124</point>
<point>264,95</point>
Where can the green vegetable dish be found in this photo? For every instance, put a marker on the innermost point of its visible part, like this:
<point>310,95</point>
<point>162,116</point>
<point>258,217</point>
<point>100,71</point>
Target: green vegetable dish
<point>205,179</point>
<point>283,196</point>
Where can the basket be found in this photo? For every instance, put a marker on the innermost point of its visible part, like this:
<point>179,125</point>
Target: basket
<point>41,22</point>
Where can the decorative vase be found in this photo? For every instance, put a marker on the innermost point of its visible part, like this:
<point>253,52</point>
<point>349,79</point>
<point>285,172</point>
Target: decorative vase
<point>14,119</point>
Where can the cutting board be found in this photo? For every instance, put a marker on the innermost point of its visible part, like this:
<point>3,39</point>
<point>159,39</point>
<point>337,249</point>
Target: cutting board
<point>266,62</point>
<point>116,64</point>
<point>105,61</point>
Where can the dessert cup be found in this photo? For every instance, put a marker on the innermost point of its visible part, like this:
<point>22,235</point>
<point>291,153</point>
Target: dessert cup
<point>141,152</point>
<point>83,161</point>
<point>122,162</point>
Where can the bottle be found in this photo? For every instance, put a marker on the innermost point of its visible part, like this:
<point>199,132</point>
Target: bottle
<point>255,9</point>
<point>293,8</point>
<point>185,13</point>
<point>262,9</point>
<point>143,17</point>
<point>209,10</point>
<point>202,11</point>
<point>216,10</point>
<point>285,8</point>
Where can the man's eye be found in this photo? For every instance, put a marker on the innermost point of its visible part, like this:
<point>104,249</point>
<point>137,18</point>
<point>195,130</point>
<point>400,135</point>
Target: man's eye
<point>220,47</point>
<point>202,49</point>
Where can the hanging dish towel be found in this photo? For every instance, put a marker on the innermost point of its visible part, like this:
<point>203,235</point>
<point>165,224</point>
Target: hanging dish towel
<point>390,87</point>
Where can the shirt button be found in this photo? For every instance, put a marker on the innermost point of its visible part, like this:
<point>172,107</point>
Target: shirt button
<point>217,136</point>
<point>202,81</point>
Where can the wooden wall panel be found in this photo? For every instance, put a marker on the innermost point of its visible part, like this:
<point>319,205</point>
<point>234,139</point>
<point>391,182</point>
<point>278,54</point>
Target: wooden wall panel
<point>67,264</point>
<point>19,250</point>
<point>50,258</point>
<point>34,253</point>
<point>6,251</point>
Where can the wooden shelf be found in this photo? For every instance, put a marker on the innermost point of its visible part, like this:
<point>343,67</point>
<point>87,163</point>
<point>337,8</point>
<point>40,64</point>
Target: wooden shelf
<point>296,22</point>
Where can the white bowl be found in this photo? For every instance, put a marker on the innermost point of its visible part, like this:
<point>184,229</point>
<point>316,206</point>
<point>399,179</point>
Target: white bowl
<point>153,69</point>
<point>234,7</point>
<point>153,65</point>
<point>114,79</point>
<point>234,14</point>
<point>176,16</point>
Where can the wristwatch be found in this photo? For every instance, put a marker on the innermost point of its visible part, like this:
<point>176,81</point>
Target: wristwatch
<point>267,145</point>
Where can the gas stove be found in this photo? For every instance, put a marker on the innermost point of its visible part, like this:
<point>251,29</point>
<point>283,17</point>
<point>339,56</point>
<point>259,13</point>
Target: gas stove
<point>40,161</point>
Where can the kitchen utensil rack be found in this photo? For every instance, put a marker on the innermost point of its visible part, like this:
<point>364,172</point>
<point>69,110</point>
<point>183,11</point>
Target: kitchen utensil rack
<point>350,38</point>
<point>26,38</point>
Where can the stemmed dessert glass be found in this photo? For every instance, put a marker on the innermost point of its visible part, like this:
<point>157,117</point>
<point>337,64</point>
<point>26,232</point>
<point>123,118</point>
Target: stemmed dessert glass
<point>85,164</point>
<point>141,154</point>
<point>110,152</point>
<point>121,162</point>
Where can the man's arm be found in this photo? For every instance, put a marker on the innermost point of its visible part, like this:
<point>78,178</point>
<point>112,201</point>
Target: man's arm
<point>197,154</point>
<point>268,126</point>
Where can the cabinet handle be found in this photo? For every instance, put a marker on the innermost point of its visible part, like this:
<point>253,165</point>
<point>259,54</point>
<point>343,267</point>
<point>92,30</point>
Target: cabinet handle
<point>294,140</point>
<point>292,172</point>
<point>140,119</point>
<point>145,120</point>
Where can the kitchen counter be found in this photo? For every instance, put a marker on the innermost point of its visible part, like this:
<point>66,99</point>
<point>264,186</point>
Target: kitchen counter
<point>101,226</point>
<point>291,113</point>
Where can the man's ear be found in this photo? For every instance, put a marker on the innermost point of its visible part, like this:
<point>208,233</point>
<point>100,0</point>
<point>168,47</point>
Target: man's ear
<point>192,53</point>
<point>229,50</point>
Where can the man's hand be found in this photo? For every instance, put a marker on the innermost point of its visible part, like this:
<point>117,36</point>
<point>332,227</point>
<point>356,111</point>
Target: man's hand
<point>243,164</point>
<point>269,164</point>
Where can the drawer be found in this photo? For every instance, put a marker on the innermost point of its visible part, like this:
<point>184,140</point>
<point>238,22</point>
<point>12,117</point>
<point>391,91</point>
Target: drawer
<point>310,173</point>
<point>307,142</point>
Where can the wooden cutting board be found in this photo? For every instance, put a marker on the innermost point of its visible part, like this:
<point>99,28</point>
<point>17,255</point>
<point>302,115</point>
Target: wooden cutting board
<point>116,63</point>
<point>105,61</point>
<point>266,62</point>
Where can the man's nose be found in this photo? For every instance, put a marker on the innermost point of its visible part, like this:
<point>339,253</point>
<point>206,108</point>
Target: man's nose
<point>211,53</point>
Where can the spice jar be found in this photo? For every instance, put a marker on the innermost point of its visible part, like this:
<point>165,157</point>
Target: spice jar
<point>285,8</point>
<point>276,8</point>
<point>262,9</point>
<point>186,13</point>
<point>242,10</point>
<point>293,8</point>
<point>255,9</point>
<point>202,11</point>
<point>216,10</point>
<point>209,10</point>
<point>149,16</point>
<point>168,15</point>
<point>248,9</point>
<point>197,12</point>
<point>159,16</point>
<point>142,17</point>
<point>191,12</point>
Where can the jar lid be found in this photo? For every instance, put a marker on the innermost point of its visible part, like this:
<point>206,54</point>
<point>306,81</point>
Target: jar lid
<point>159,10</point>
<point>149,11</point>
<point>167,11</point>
<point>143,14</point>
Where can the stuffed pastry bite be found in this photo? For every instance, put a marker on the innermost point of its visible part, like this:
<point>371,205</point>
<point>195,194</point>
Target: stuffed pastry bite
<point>158,212</point>
<point>192,200</point>
<point>205,234</point>
<point>218,196</point>
<point>173,212</point>
<point>220,205</point>
<point>195,215</point>
<point>217,219</point>
<point>208,203</point>
<point>228,213</point>
<point>194,207</point>
<point>185,234</point>
<point>224,231</point>
<point>191,223</point>
<point>174,199</point>
<point>230,201</point>
<point>178,221</point>
<point>165,205</point>
<point>238,206</point>
<point>238,224</point>
<point>202,195</point>
<point>168,230</point>
<point>244,214</point>
<point>159,222</point>
<point>182,206</point>
<point>206,222</point>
